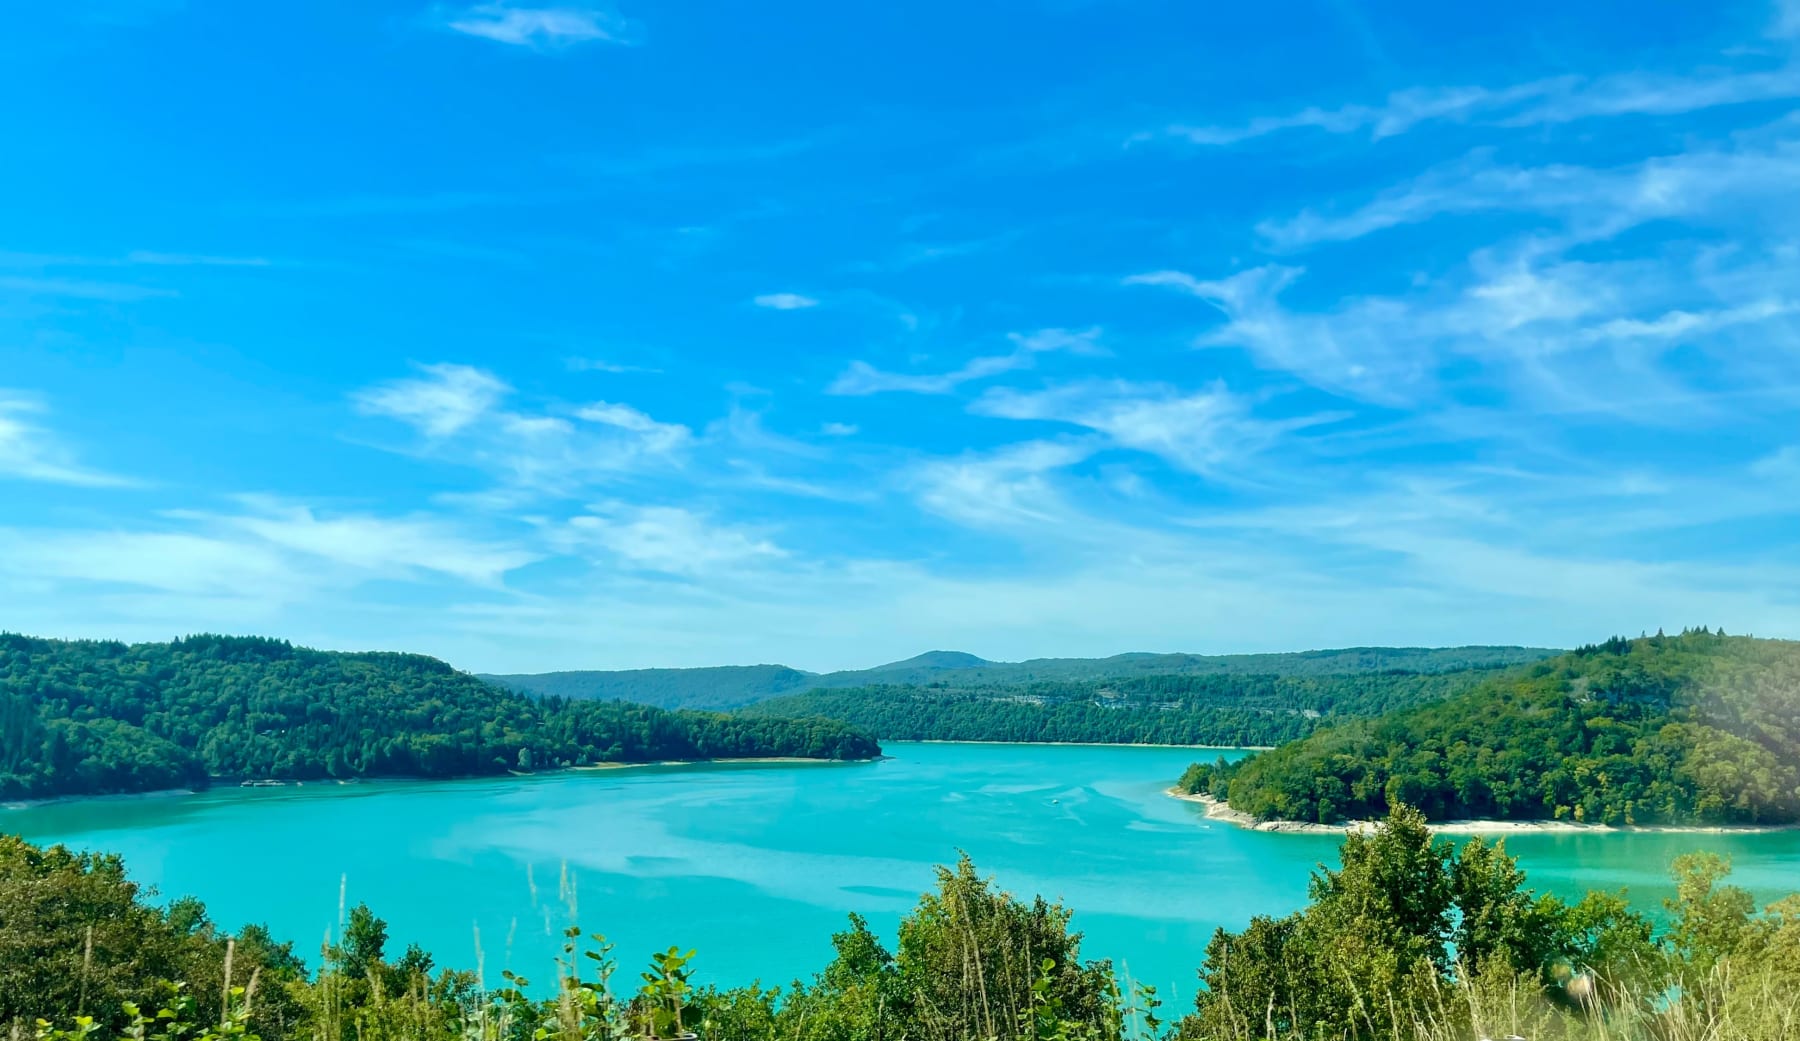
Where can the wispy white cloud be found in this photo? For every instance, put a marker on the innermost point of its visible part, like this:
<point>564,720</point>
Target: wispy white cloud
<point>839,429</point>
<point>81,289</point>
<point>1678,324</point>
<point>152,258</point>
<point>1072,341</point>
<point>1591,202</point>
<point>372,544</point>
<point>1402,111</point>
<point>602,365</point>
<point>861,378</point>
<point>785,301</point>
<point>668,539</point>
<point>1556,334</point>
<point>31,452</point>
<point>439,403</point>
<point>652,437</point>
<point>1559,99</point>
<point>1004,488</point>
<point>1205,432</point>
<point>1359,358</point>
<point>747,474</point>
<point>184,563</point>
<point>282,551</point>
<point>1522,320</point>
<point>743,429</point>
<point>1640,94</point>
<point>542,27</point>
<point>556,449</point>
<point>1511,536</point>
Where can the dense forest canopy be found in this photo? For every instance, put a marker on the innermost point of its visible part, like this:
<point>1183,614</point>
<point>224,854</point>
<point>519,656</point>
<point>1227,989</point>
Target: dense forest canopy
<point>738,685</point>
<point>80,717</point>
<point>1694,728</point>
<point>1223,708</point>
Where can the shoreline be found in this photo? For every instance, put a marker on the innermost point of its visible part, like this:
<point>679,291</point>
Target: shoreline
<point>778,760</point>
<point>1080,744</point>
<point>52,800</point>
<point>228,783</point>
<point>1219,811</point>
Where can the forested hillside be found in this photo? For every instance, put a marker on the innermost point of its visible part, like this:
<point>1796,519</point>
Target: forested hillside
<point>734,686</point>
<point>1218,709</point>
<point>940,667</point>
<point>719,688</point>
<point>95,716</point>
<point>1695,728</point>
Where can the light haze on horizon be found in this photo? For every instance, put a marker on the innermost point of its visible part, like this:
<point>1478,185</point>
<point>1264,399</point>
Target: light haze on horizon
<point>543,336</point>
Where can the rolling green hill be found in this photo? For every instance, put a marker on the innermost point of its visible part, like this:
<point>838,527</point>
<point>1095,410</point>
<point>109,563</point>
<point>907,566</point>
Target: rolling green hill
<point>735,686</point>
<point>1206,709</point>
<point>1342,661</point>
<point>85,717</point>
<point>719,688</point>
<point>1699,728</point>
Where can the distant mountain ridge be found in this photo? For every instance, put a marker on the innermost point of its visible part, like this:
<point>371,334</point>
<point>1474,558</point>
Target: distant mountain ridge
<point>936,660</point>
<point>714,688</point>
<point>735,686</point>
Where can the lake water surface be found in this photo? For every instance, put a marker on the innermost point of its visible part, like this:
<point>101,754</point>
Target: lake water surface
<point>756,865</point>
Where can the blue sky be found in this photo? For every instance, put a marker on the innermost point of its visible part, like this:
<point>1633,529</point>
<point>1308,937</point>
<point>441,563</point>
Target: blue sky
<point>543,337</point>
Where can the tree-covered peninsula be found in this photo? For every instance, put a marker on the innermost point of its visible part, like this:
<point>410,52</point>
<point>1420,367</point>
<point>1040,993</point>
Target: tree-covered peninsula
<point>90,717</point>
<point>1699,728</point>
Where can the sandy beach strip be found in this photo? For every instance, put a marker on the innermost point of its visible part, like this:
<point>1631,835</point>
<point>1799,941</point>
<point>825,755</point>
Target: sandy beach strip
<point>1078,744</point>
<point>774,760</point>
<point>1219,811</point>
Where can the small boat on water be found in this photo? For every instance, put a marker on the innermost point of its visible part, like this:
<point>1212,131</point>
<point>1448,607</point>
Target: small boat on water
<point>262,784</point>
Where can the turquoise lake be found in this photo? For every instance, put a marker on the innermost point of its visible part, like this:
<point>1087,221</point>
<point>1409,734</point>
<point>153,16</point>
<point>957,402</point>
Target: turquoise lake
<point>756,865</point>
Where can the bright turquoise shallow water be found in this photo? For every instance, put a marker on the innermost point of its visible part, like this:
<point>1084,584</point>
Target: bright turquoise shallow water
<point>756,866</point>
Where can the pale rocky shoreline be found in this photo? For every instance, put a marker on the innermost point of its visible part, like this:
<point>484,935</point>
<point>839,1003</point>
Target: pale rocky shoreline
<point>781,760</point>
<point>1219,811</point>
<point>1084,744</point>
<point>52,800</point>
<point>175,793</point>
